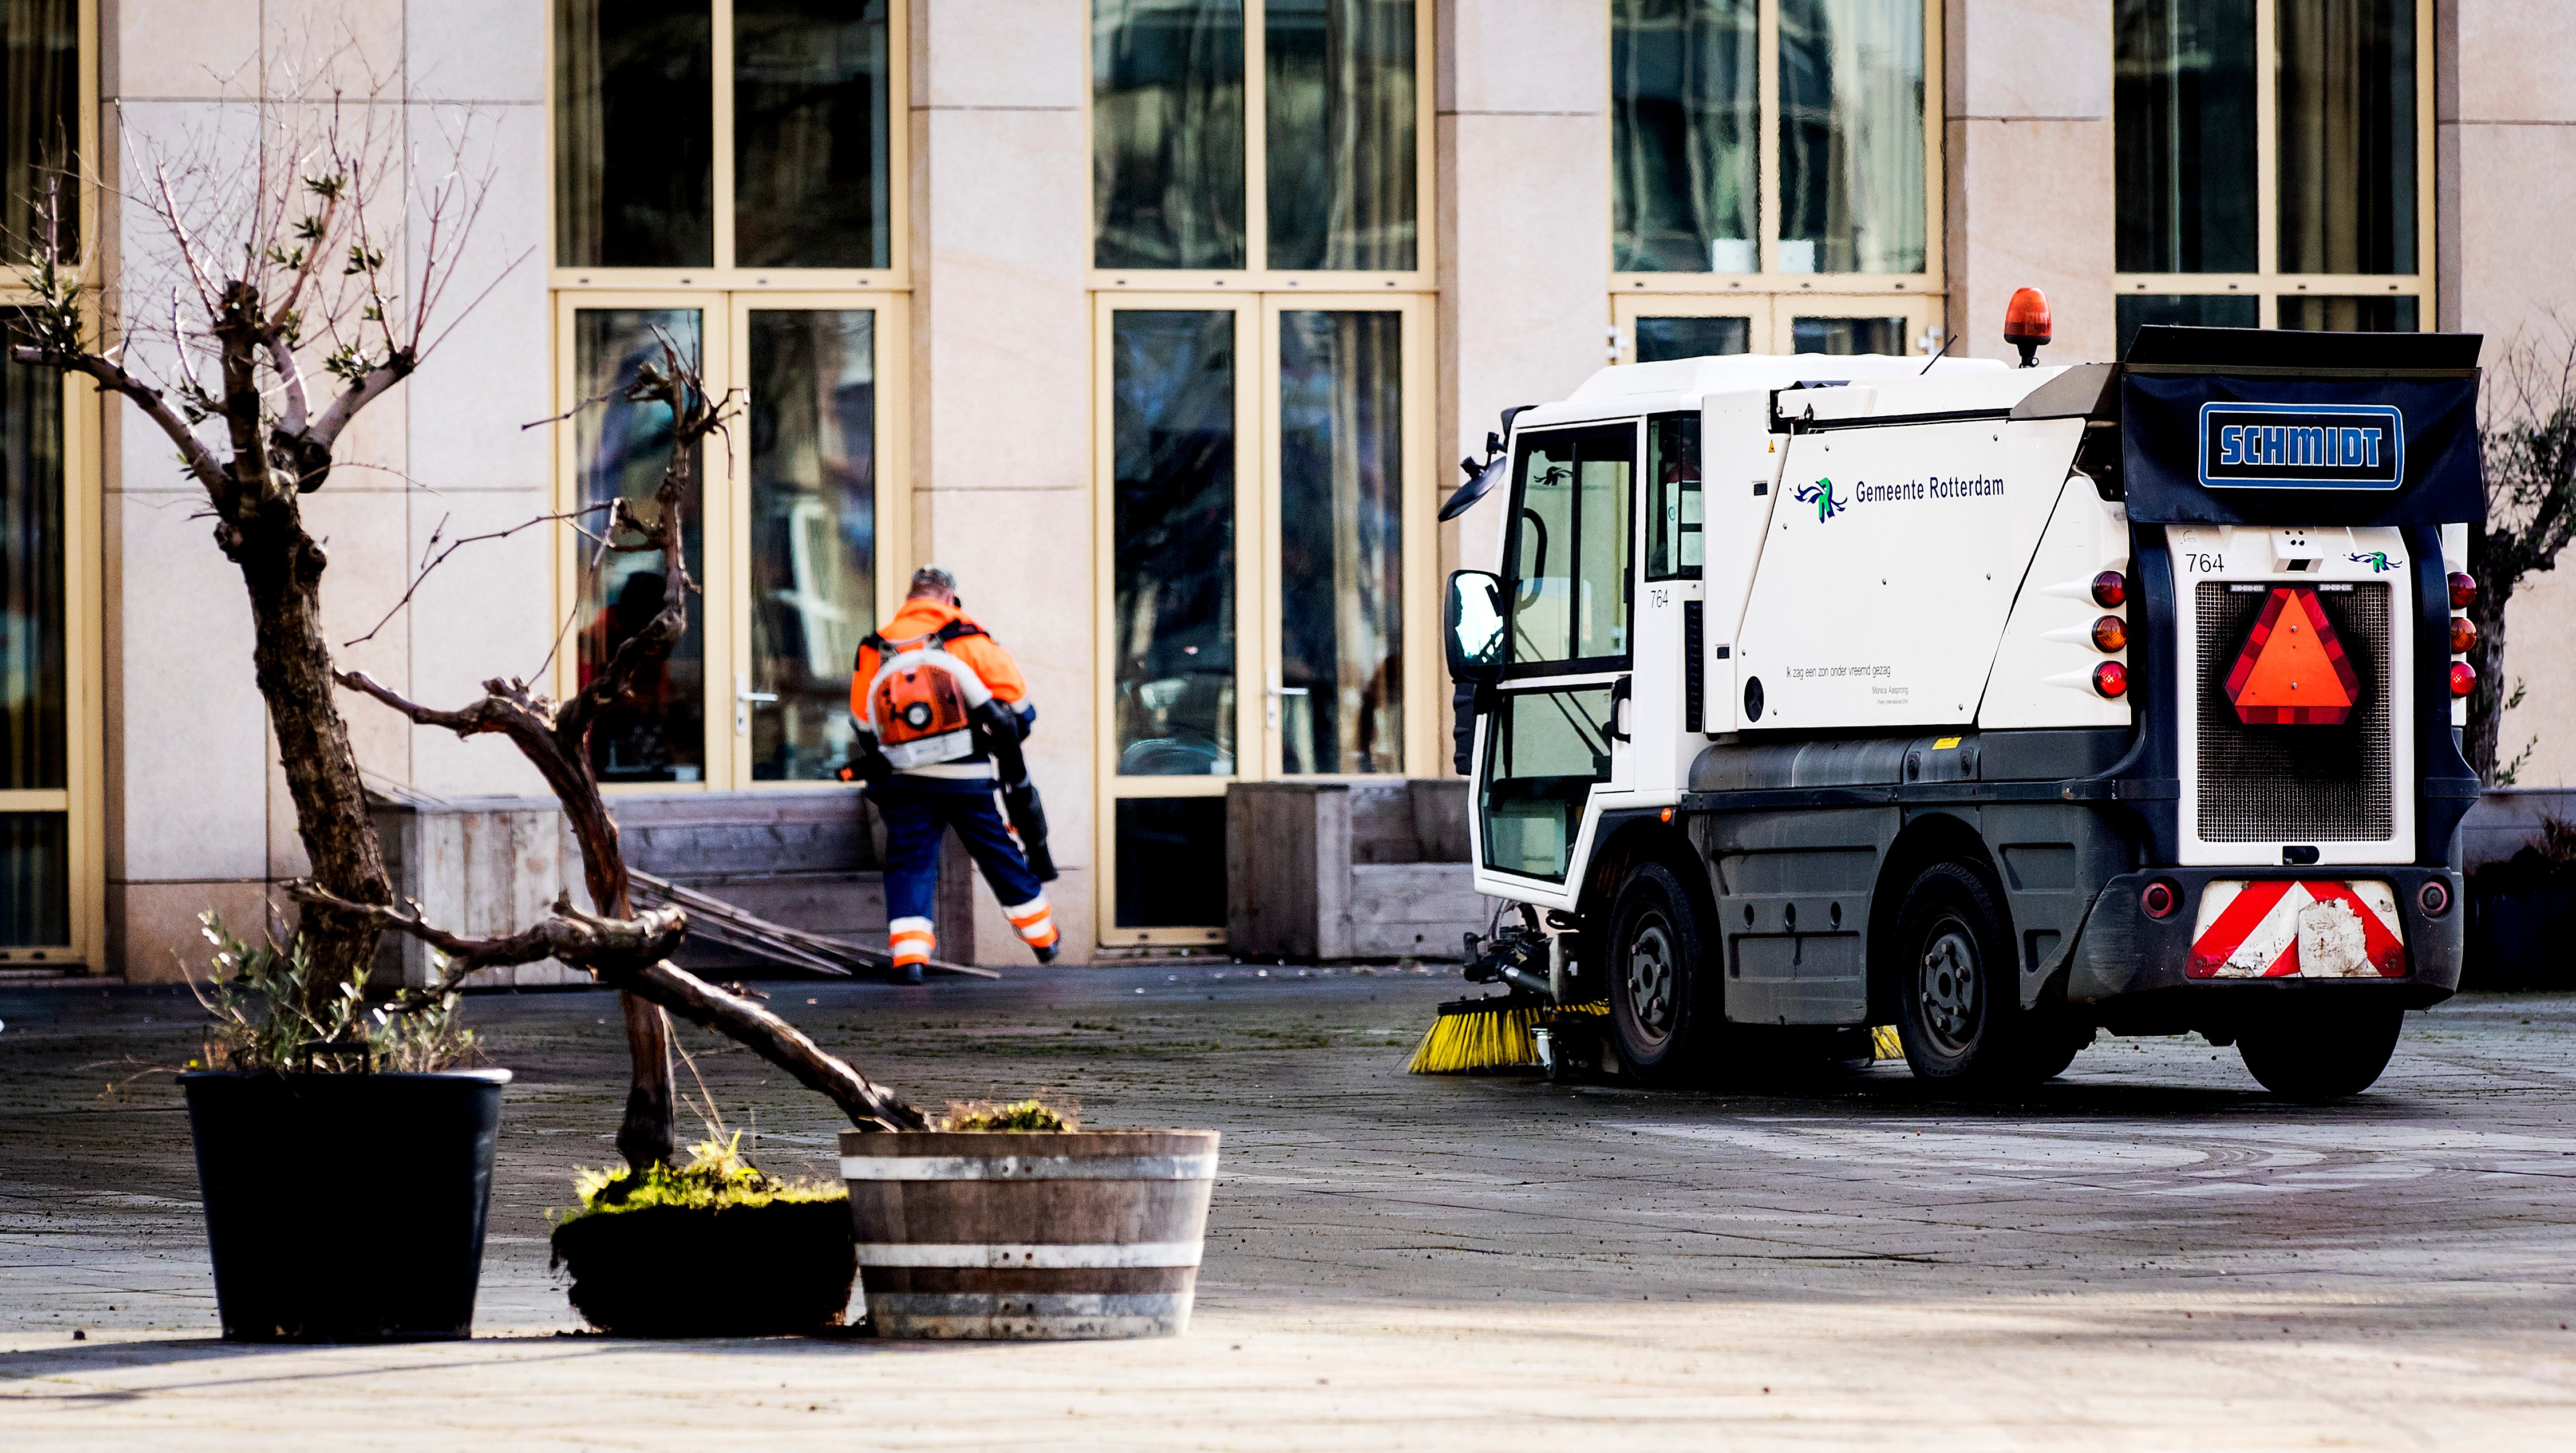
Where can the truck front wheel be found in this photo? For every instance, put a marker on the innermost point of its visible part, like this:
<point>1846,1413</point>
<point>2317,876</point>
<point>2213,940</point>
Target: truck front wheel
<point>2321,1057</point>
<point>1958,1010</point>
<point>1662,1011</point>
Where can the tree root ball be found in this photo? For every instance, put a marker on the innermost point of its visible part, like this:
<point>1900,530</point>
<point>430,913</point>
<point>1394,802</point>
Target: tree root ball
<point>735,1271</point>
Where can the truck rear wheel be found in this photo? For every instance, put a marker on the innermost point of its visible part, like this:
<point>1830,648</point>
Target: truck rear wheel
<point>1663,1011</point>
<point>1958,1009</point>
<point>2317,1058</point>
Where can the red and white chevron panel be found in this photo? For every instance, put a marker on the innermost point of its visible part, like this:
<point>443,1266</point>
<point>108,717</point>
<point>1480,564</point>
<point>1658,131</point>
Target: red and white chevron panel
<point>2286,928</point>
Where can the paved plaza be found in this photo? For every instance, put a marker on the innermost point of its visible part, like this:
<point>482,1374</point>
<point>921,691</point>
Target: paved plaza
<point>2148,1254</point>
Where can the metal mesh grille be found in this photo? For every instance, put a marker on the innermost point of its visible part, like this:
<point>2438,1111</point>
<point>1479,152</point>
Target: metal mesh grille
<point>2293,784</point>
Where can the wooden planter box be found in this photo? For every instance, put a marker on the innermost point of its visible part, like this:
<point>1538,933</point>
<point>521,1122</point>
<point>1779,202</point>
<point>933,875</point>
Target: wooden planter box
<point>1324,871</point>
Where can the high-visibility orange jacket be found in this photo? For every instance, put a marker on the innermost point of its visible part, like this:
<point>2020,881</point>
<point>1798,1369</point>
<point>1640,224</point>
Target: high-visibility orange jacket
<point>920,617</point>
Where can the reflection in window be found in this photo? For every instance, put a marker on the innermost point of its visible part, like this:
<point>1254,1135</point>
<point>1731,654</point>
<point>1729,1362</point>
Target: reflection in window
<point>1685,117</point>
<point>1172,542</point>
<point>1569,563</point>
<point>1167,133</point>
<point>658,732</point>
<point>1341,541</point>
<point>1672,501</point>
<point>1851,136</point>
<point>811,418</point>
<point>2191,310</point>
<point>1171,862</point>
<point>2350,315</point>
<point>35,848</point>
<point>1548,749</point>
<point>1660,339</point>
<point>1848,335</point>
<point>634,135</point>
<point>1339,142</point>
<point>809,138</point>
<point>42,79</point>
<point>2347,147</point>
<point>2183,103</point>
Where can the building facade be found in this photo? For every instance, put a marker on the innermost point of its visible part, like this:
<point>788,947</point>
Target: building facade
<point>1163,324</point>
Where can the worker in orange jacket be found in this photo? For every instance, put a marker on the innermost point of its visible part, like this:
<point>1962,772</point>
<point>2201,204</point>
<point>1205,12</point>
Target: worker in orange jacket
<point>939,706</point>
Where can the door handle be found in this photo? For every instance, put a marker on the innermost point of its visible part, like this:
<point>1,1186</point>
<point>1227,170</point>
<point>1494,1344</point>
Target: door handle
<point>1616,726</point>
<point>1275,691</point>
<point>743,697</point>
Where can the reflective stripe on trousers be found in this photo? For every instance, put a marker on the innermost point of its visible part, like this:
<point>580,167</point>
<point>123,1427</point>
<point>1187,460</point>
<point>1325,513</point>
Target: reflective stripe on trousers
<point>912,940</point>
<point>1034,921</point>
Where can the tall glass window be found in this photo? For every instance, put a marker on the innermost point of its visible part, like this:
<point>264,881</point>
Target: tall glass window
<point>811,416</point>
<point>40,84</point>
<point>1336,148</point>
<point>1851,136</point>
<point>2183,83</point>
<point>2271,156</point>
<point>1685,116</point>
<point>634,165</point>
<point>1337,81</point>
<point>1173,551</point>
<point>35,862</point>
<point>1167,133</point>
<point>2347,149</point>
<point>658,733</point>
<point>1341,541</point>
<point>810,136</point>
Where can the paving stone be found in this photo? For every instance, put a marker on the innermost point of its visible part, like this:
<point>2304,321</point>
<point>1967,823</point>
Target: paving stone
<point>2149,1253</point>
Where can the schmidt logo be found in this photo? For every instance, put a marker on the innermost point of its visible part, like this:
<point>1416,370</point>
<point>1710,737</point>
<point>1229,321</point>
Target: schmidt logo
<point>2302,446</point>
<point>1821,495</point>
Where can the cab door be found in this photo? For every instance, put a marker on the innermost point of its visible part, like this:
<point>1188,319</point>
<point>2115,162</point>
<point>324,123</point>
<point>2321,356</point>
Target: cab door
<point>1557,735</point>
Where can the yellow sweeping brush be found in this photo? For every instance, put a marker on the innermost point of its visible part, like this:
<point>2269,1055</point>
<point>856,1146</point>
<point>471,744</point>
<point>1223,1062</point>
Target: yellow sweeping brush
<point>1883,1040</point>
<point>1493,1033</point>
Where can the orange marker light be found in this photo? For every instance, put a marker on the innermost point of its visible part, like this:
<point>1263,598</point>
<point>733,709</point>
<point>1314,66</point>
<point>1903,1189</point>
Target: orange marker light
<point>2110,633</point>
<point>2464,635</point>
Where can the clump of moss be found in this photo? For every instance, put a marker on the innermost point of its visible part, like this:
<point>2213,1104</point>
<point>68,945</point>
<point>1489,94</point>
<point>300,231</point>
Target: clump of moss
<point>716,1177</point>
<point>1032,1113</point>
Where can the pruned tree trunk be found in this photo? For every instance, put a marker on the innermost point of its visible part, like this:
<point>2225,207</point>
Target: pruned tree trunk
<point>2481,740</point>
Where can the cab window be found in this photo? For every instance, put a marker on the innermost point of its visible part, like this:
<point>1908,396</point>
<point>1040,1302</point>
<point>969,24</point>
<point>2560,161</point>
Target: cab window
<point>1672,497</point>
<point>1569,561</point>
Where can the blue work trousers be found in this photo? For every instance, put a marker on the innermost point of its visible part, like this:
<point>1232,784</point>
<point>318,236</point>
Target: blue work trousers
<point>915,818</point>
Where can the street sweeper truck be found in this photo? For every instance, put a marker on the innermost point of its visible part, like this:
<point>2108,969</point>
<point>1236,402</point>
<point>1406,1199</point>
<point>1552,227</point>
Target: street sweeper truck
<point>2003,705</point>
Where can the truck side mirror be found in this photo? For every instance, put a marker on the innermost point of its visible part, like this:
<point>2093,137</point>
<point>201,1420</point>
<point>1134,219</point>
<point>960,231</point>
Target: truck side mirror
<point>1474,627</point>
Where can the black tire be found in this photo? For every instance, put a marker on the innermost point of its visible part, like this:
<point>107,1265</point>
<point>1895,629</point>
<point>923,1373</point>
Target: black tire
<point>1958,997</point>
<point>1665,1013</point>
<point>2317,1058</point>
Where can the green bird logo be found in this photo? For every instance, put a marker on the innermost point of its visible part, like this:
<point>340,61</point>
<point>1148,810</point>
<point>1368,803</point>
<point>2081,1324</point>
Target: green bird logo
<point>1821,495</point>
<point>2377,560</point>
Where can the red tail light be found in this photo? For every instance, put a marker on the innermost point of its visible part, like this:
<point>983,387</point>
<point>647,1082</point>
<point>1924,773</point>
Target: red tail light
<point>2464,678</point>
<point>2110,588</point>
<point>2463,590</point>
<point>2464,635</point>
<point>2110,633</point>
<point>2158,899</point>
<point>2111,679</point>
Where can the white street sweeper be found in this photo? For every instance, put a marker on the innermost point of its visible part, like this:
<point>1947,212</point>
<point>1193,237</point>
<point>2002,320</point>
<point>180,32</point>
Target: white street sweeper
<point>2003,705</point>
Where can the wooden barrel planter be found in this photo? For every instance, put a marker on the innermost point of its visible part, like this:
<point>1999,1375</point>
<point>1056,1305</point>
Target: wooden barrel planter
<point>1018,1235</point>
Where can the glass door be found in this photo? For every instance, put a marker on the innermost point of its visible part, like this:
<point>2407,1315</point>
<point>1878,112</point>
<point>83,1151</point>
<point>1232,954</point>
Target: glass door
<point>47,620</point>
<point>1265,517</point>
<point>1558,733</point>
<point>817,511</point>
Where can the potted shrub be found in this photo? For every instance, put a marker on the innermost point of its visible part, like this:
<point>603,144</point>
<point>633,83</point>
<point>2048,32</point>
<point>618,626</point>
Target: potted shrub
<point>783,1246</point>
<point>314,1113</point>
<point>1012,1222</point>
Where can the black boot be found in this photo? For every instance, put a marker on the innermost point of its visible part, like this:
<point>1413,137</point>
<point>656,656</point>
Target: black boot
<point>1045,952</point>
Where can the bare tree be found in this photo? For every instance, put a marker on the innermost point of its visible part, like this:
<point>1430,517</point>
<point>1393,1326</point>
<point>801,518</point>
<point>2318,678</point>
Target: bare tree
<point>618,944</point>
<point>266,310</point>
<point>2529,436</point>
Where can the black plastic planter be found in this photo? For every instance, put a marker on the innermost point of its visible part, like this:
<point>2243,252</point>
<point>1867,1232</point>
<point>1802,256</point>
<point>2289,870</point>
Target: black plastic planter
<point>293,1165</point>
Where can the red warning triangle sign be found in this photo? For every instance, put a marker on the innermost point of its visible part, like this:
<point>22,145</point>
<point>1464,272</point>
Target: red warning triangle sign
<point>2293,670</point>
